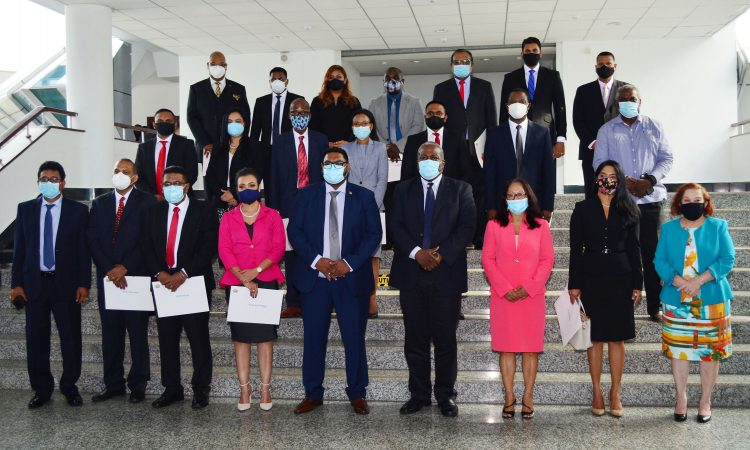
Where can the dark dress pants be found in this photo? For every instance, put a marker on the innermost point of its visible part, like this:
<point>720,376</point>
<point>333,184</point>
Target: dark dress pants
<point>649,235</point>
<point>292,294</point>
<point>588,175</point>
<point>196,329</point>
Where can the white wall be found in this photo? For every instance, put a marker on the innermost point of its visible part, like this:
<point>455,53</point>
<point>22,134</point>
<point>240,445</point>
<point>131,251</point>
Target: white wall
<point>689,85</point>
<point>152,94</point>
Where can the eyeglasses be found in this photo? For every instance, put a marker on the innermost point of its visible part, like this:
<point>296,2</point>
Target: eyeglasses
<point>173,183</point>
<point>334,163</point>
<point>515,195</point>
<point>461,62</point>
<point>361,124</point>
<point>49,180</point>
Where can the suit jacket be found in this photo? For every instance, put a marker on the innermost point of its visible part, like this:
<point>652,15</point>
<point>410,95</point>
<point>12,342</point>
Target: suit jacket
<point>72,260</point>
<point>589,114</point>
<point>457,162</point>
<point>368,167</point>
<point>263,118</point>
<point>181,153</point>
<point>453,224</point>
<point>548,106</point>
<point>410,117</point>
<point>361,235</point>
<point>281,192</point>
<point>248,154</point>
<point>205,111</point>
<point>198,241</point>
<point>500,164</point>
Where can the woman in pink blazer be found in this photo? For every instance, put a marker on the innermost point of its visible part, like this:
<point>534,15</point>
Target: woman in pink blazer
<point>517,257</point>
<point>251,244</point>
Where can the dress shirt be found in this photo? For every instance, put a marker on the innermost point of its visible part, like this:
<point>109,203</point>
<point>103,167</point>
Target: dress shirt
<point>431,135</point>
<point>524,130</point>
<point>467,88</point>
<point>230,155</point>
<point>394,130</point>
<point>526,74</point>
<point>640,148</point>
<point>118,197</point>
<point>274,100</point>
<point>435,186</point>
<point>183,205</point>
<point>340,200</point>
<point>605,89</point>
<point>158,149</point>
<point>55,211</point>
<point>306,140</point>
<point>222,85</point>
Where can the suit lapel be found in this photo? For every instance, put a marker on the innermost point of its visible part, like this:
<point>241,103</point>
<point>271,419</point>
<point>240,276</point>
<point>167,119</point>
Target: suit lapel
<point>161,235</point>
<point>612,94</point>
<point>440,198</point>
<point>110,210</point>
<point>35,229</point>
<point>150,158</point>
<point>416,194</point>
<point>189,227</point>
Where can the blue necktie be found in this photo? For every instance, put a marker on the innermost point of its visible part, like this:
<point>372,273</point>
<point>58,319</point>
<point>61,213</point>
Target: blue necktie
<point>532,85</point>
<point>49,251</point>
<point>429,208</point>
<point>276,117</point>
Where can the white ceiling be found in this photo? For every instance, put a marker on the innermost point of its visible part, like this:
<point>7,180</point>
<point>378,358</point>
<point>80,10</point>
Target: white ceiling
<point>190,27</point>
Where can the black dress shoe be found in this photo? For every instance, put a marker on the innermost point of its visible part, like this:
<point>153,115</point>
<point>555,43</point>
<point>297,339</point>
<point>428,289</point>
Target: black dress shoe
<point>137,396</point>
<point>448,408</point>
<point>167,399</point>
<point>704,419</point>
<point>106,395</point>
<point>200,401</point>
<point>414,405</point>
<point>74,399</point>
<point>680,417</point>
<point>37,401</point>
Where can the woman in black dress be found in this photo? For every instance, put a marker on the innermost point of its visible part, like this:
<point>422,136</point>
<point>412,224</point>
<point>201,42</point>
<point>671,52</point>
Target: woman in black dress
<point>332,110</point>
<point>606,274</point>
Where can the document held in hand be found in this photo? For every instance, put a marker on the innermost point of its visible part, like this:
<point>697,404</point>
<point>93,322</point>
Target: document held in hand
<point>286,224</point>
<point>263,309</point>
<point>569,317</point>
<point>479,147</point>
<point>382,225</point>
<point>394,170</point>
<point>190,298</point>
<point>135,297</point>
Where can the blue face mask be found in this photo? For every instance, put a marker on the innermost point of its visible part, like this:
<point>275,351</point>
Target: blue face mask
<point>361,133</point>
<point>48,189</point>
<point>518,207</point>
<point>461,71</point>
<point>334,174</point>
<point>235,129</point>
<point>628,110</point>
<point>299,123</point>
<point>249,196</point>
<point>174,194</point>
<point>429,169</point>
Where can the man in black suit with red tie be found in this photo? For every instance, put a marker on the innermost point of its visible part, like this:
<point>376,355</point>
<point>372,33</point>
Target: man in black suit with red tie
<point>115,223</point>
<point>167,149</point>
<point>187,229</point>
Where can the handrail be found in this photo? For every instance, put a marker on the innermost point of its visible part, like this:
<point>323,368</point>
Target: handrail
<point>29,118</point>
<point>739,124</point>
<point>135,128</point>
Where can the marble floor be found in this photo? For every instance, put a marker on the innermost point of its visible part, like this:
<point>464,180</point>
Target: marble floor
<point>118,424</point>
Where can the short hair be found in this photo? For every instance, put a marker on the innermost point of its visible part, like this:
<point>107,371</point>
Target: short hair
<point>462,50</point>
<point>294,102</point>
<point>340,151</point>
<point>531,40</point>
<point>627,87</point>
<point>371,118</point>
<point>51,165</point>
<point>246,172</point>
<point>427,145</point>
<point>521,90</point>
<point>677,200</point>
<point>435,102</point>
<point>278,69</point>
<point>400,72</point>
<point>161,110</point>
<point>605,53</point>
<point>176,169</point>
<point>129,161</point>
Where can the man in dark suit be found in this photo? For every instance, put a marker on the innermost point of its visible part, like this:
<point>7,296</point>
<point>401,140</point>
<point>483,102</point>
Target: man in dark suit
<point>190,247</point>
<point>519,148</point>
<point>297,156</point>
<point>432,222</point>
<point>208,102</point>
<point>593,106</point>
<point>51,274</point>
<point>545,90</point>
<point>335,228</point>
<point>167,149</point>
<point>470,103</point>
<point>115,223</point>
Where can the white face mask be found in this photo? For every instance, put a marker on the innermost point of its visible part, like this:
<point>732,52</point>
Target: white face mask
<point>278,86</point>
<point>121,181</point>
<point>518,110</point>
<point>217,72</point>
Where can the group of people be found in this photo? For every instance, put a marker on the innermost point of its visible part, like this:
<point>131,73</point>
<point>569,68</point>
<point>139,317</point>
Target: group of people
<point>323,166</point>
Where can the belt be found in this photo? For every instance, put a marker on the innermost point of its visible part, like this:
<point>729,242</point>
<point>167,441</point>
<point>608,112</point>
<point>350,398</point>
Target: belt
<point>604,251</point>
<point>47,274</point>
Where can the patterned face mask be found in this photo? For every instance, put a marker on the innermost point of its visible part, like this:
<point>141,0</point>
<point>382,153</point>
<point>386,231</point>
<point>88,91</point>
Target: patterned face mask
<point>299,123</point>
<point>607,185</point>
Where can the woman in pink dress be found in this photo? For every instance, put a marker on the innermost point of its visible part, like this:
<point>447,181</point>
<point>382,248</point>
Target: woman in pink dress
<point>517,257</point>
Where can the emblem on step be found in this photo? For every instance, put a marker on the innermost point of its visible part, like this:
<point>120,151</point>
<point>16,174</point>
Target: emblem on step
<point>384,279</point>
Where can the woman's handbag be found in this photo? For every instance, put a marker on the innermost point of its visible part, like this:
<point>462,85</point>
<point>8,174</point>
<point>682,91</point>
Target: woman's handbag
<point>582,339</point>
<point>575,325</point>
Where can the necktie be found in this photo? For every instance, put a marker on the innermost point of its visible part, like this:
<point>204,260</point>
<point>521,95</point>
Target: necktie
<point>218,89</point>
<point>392,123</point>
<point>519,151</point>
<point>333,228</point>
<point>49,251</point>
<point>118,217</point>
<point>276,119</point>
<point>429,208</point>
<point>437,137</point>
<point>302,178</point>
<point>532,85</point>
<point>461,91</point>
<point>160,167</point>
<point>605,95</point>
<point>172,237</point>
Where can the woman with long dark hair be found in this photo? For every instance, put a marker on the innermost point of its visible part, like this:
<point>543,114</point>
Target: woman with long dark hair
<point>331,111</point>
<point>606,275</point>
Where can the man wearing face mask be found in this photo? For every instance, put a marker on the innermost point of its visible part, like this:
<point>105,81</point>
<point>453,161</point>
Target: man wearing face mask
<point>296,159</point>
<point>432,221</point>
<point>593,106</point>
<point>167,149</point>
<point>334,228</point>
<point>545,90</point>
<point>519,148</point>
<point>114,232</point>
<point>51,275</point>
<point>209,100</point>
<point>178,241</point>
<point>640,145</point>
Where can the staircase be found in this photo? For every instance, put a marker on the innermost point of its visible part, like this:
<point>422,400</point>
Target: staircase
<point>563,374</point>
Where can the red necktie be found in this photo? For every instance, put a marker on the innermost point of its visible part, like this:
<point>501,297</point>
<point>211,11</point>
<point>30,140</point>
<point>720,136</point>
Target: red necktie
<point>160,167</point>
<point>172,238</point>
<point>461,90</point>
<point>437,137</point>
<point>302,178</point>
<point>118,217</point>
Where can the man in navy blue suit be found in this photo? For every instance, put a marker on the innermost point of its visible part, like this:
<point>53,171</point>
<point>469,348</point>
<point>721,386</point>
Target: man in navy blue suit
<point>115,224</point>
<point>334,228</point>
<point>51,274</point>
<point>519,148</point>
<point>295,163</point>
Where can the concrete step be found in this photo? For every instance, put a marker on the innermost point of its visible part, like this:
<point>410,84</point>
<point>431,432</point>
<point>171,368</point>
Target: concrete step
<point>740,235</point>
<point>722,200</point>
<point>735,217</point>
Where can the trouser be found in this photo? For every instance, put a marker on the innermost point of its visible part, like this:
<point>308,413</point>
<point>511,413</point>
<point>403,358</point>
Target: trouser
<point>351,314</point>
<point>588,177</point>
<point>114,326</point>
<point>67,314</point>
<point>388,204</point>
<point>196,329</point>
<point>477,190</point>
<point>292,294</point>
<point>649,235</point>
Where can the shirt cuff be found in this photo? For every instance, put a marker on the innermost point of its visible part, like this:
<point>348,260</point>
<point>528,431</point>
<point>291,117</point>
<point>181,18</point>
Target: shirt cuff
<point>347,263</point>
<point>315,261</point>
<point>413,254</point>
<point>184,273</point>
<point>591,145</point>
<point>561,139</point>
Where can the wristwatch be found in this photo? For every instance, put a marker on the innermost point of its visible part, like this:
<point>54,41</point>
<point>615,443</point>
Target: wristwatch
<point>259,269</point>
<point>651,179</point>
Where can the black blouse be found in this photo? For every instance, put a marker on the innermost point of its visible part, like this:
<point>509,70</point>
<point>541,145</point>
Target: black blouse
<point>335,121</point>
<point>250,153</point>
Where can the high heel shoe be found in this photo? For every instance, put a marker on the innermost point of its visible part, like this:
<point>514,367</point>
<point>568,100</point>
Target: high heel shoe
<point>598,412</point>
<point>703,419</point>
<point>527,415</point>
<point>618,413</point>
<point>242,407</point>
<point>680,417</point>
<point>269,405</point>
<point>509,411</point>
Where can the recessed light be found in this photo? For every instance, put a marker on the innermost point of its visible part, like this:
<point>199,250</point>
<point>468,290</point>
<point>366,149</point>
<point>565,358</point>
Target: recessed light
<point>616,23</point>
<point>308,27</point>
<point>416,61</point>
<point>276,37</point>
<point>486,59</point>
<point>384,62</point>
<point>444,39</point>
<point>441,30</point>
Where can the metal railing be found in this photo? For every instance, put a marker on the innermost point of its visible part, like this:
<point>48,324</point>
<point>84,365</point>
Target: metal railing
<point>740,126</point>
<point>124,128</point>
<point>26,122</point>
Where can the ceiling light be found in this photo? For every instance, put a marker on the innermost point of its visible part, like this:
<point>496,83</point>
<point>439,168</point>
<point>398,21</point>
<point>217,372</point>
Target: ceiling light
<point>384,62</point>
<point>486,59</point>
<point>276,37</point>
<point>444,39</point>
<point>308,27</point>
<point>616,23</point>
<point>441,30</point>
<point>416,61</point>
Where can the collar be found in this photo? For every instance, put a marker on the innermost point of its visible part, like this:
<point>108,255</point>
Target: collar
<point>168,139</point>
<point>638,119</point>
<point>435,182</point>
<point>535,68</point>
<point>466,80</point>
<point>297,134</point>
<point>57,202</point>
<point>524,124</point>
<point>126,196</point>
<point>341,188</point>
<point>601,85</point>
<point>183,205</point>
<point>394,97</point>
<point>431,132</point>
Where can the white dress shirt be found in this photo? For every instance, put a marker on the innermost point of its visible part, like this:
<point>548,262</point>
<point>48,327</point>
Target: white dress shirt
<point>118,197</point>
<point>183,205</point>
<point>467,88</point>
<point>340,200</point>
<point>431,135</point>
<point>55,212</point>
<point>605,89</point>
<point>275,100</point>
<point>524,130</point>
<point>306,140</point>
<point>158,149</point>
<point>222,84</point>
<point>435,186</point>
<point>230,155</point>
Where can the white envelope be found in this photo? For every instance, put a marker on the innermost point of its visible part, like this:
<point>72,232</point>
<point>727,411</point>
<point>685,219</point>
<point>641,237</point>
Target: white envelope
<point>382,225</point>
<point>479,147</point>
<point>569,317</point>
<point>394,170</point>
<point>288,245</point>
<point>190,298</point>
<point>263,309</point>
<point>135,297</point>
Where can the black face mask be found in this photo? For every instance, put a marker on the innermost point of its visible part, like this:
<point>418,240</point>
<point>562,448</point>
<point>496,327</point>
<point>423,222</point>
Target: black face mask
<point>692,211</point>
<point>605,71</point>
<point>531,59</point>
<point>434,122</point>
<point>335,84</point>
<point>164,128</point>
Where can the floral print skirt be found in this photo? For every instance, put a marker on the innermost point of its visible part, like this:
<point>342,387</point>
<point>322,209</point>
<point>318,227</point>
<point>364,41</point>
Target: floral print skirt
<point>694,332</point>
